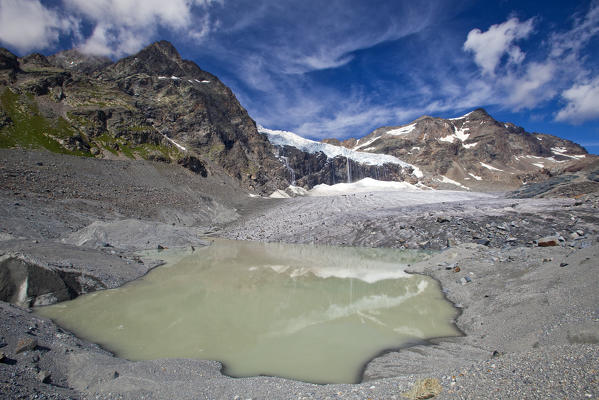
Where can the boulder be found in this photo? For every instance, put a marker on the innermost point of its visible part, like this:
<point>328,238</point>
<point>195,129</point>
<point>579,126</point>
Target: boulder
<point>548,241</point>
<point>25,344</point>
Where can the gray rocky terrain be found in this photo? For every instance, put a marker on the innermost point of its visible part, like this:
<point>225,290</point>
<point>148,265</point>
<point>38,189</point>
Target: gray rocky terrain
<point>523,272</point>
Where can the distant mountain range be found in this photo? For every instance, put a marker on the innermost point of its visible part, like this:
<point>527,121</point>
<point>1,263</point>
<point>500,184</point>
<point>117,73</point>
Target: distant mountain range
<point>473,151</point>
<point>155,105</point>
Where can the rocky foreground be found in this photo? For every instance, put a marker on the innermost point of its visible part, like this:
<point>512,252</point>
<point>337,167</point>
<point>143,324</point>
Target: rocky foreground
<point>523,272</point>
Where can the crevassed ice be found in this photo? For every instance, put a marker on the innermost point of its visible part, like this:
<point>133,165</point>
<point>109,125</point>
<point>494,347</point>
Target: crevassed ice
<point>285,138</point>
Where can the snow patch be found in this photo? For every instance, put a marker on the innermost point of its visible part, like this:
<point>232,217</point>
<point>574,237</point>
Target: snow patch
<point>462,117</point>
<point>369,142</point>
<point>449,139</point>
<point>445,179</point>
<point>175,143</point>
<point>545,158</point>
<point>478,178</point>
<point>284,138</point>
<point>538,165</point>
<point>401,131</point>
<point>361,186</point>
<point>297,190</point>
<point>279,194</point>
<point>459,134</point>
<point>469,145</point>
<point>492,168</point>
<point>561,151</point>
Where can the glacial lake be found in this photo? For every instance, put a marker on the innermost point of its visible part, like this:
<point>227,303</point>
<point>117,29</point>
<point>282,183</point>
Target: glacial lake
<point>311,313</point>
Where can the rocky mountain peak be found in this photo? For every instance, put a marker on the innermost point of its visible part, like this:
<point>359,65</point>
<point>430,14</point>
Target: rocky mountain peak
<point>479,113</point>
<point>75,60</point>
<point>473,151</point>
<point>163,46</point>
<point>36,59</point>
<point>158,59</point>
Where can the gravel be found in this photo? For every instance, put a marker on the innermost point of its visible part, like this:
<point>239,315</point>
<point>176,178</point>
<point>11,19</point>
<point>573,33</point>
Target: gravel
<point>528,313</point>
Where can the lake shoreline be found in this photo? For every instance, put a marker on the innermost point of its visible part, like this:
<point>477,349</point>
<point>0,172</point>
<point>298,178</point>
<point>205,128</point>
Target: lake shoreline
<point>535,334</point>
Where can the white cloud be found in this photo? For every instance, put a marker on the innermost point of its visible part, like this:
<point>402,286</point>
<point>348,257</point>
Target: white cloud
<point>530,88</point>
<point>582,103</point>
<point>489,47</point>
<point>558,64</point>
<point>135,13</point>
<point>27,25</point>
<point>122,27</point>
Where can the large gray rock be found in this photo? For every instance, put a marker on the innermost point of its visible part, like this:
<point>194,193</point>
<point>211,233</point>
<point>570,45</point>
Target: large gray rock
<point>26,283</point>
<point>133,234</point>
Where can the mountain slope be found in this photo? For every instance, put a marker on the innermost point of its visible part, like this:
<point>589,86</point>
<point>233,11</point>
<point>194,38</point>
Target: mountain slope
<point>152,105</point>
<point>474,151</point>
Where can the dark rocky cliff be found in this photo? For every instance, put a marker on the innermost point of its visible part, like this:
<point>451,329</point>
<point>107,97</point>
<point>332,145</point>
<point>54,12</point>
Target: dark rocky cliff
<point>151,105</point>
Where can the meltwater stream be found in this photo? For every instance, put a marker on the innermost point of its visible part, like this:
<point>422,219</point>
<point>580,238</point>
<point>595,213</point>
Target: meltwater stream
<point>311,313</point>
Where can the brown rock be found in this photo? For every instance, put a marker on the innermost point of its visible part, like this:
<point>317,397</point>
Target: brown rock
<point>548,241</point>
<point>25,344</point>
<point>424,389</point>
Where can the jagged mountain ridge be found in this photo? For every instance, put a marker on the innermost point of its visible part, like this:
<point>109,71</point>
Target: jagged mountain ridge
<point>473,151</point>
<point>151,105</point>
<point>156,105</point>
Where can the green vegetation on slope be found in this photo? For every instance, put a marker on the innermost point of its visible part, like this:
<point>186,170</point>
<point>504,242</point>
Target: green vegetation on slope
<point>24,126</point>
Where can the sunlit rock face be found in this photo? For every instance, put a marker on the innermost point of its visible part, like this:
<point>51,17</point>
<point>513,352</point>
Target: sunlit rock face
<point>474,151</point>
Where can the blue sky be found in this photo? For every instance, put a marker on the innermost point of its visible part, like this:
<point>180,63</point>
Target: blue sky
<point>343,68</point>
